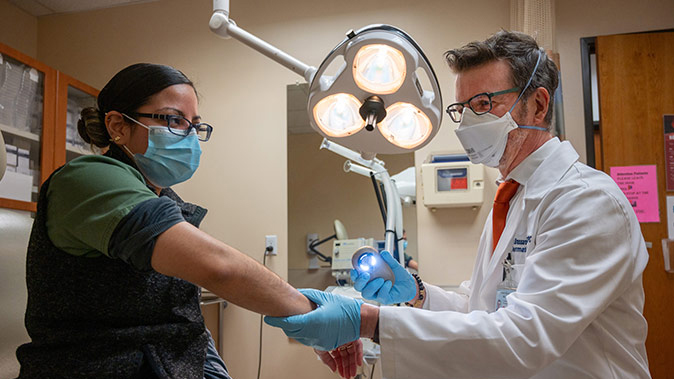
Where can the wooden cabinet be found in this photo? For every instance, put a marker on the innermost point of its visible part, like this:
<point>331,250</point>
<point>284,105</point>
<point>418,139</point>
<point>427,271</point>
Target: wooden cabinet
<point>71,97</point>
<point>39,109</point>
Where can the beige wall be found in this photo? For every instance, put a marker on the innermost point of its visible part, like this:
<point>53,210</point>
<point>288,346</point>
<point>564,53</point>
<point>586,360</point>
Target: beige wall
<point>18,29</point>
<point>243,178</point>
<point>319,191</point>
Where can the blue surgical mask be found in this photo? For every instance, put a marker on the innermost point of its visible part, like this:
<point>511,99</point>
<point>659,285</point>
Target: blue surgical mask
<point>405,245</point>
<point>169,159</point>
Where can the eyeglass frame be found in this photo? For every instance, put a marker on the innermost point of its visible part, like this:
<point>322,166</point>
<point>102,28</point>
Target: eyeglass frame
<point>169,117</point>
<point>488,94</point>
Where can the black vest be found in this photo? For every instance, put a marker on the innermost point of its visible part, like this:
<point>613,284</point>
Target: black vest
<point>100,318</point>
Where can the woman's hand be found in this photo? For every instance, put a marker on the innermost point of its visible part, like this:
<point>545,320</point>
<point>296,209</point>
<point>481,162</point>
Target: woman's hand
<point>345,358</point>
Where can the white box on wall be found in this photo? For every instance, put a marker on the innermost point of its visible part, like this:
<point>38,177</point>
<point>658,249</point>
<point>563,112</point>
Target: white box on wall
<point>451,180</point>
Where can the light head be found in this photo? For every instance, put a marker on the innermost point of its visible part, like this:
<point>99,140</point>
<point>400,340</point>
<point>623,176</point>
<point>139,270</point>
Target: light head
<point>367,259</point>
<point>375,102</point>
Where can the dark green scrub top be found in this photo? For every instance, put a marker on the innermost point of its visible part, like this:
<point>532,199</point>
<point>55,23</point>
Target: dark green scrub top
<point>86,200</point>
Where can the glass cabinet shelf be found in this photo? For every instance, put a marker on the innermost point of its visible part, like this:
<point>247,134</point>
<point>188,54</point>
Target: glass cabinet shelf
<point>19,133</point>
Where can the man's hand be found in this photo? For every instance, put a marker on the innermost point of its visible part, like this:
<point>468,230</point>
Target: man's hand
<point>335,322</point>
<point>345,358</point>
<point>383,291</point>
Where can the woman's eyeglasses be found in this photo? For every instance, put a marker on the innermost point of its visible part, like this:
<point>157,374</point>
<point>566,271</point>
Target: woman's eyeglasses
<point>181,126</point>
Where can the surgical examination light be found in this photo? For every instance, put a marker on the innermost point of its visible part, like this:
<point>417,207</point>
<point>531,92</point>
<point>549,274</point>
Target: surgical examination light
<point>375,101</point>
<point>382,98</point>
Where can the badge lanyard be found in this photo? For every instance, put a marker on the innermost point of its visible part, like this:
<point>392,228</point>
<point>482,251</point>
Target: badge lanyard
<point>507,286</point>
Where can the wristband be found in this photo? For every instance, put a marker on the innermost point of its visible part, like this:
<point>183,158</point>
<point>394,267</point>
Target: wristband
<point>422,293</point>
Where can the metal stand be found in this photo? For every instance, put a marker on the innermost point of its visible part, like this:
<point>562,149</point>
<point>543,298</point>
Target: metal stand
<point>208,298</point>
<point>394,215</point>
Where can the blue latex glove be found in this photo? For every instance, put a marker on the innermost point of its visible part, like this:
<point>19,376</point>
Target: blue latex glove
<point>333,323</point>
<point>383,291</point>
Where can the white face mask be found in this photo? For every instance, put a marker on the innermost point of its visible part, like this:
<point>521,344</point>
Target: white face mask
<point>484,137</point>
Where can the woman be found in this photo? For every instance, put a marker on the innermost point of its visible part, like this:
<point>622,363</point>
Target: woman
<point>116,259</point>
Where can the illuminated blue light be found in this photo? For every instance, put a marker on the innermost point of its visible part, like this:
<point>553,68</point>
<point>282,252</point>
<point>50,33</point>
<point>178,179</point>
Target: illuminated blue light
<point>367,261</point>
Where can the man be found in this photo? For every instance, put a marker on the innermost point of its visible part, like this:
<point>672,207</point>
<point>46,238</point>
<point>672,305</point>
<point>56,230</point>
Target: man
<point>557,293</point>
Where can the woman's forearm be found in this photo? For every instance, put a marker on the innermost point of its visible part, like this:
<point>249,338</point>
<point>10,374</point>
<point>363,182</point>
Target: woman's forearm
<point>185,252</point>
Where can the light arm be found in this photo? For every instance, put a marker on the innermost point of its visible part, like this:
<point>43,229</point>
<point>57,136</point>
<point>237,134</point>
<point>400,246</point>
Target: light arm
<point>398,223</point>
<point>358,169</point>
<point>221,25</point>
<point>377,166</point>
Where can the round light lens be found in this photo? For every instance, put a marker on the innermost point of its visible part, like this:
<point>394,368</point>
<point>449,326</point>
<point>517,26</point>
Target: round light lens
<point>405,125</point>
<point>337,115</point>
<point>379,69</point>
<point>366,262</point>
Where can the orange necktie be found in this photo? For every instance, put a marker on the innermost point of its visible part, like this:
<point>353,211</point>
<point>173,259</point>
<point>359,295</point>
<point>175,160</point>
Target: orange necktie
<point>504,193</point>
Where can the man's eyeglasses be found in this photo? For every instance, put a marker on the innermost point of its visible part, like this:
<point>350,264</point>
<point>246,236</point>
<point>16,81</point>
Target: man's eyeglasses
<point>181,126</point>
<point>479,104</point>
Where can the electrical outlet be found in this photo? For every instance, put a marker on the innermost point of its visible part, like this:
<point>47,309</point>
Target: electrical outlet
<point>311,237</point>
<point>271,241</point>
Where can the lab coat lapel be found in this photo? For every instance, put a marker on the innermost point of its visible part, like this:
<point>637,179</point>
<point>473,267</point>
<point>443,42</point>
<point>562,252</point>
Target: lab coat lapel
<point>550,171</point>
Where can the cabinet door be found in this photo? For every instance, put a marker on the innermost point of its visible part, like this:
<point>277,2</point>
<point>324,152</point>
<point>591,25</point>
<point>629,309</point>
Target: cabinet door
<point>27,105</point>
<point>72,96</point>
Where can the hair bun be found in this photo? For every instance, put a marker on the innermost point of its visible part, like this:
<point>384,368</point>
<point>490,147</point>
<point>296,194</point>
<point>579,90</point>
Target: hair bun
<point>91,127</point>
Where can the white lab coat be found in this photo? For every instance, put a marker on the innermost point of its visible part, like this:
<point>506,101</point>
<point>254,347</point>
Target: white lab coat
<point>577,311</point>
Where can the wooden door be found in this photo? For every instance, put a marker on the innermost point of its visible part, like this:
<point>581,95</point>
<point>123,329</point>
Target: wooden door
<point>636,87</point>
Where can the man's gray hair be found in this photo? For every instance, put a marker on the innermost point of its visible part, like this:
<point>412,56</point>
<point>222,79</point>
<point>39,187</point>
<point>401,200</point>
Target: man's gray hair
<point>521,52</point>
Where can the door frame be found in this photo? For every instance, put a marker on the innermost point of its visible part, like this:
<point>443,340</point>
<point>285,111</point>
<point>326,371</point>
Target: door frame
<point>587,48</point>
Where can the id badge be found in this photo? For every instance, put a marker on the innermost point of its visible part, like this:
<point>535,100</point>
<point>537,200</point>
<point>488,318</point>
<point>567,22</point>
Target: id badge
<point>506,287</point>
<point>501,297</point>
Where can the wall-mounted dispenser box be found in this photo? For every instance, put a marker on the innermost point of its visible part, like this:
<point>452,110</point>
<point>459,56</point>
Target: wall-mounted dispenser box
<point>451,180</point>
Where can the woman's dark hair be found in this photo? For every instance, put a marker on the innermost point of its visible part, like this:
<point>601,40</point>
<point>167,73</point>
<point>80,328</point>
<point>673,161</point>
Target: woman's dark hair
<point>520,51</point>
<point>128,90</point>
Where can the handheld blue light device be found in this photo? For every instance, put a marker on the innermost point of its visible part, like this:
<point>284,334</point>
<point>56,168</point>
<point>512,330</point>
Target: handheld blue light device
<point>367,259</point>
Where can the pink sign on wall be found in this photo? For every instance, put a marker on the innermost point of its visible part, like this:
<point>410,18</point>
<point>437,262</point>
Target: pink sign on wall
<point>640,186</point>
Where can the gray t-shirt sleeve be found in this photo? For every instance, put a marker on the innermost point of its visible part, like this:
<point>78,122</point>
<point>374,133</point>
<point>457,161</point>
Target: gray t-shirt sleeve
<point>134,238</point>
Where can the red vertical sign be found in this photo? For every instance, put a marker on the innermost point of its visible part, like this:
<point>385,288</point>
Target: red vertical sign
<point>669,150</point>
